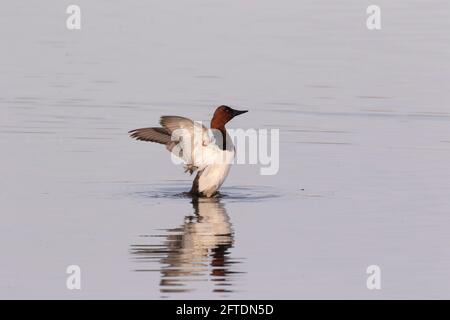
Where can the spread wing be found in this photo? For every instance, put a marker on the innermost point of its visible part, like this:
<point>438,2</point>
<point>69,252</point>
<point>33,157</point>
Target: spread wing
<point>158,135</point>
<point>182,136</point>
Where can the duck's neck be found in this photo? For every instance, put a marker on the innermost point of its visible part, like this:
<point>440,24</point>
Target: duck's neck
<point>221,127</point>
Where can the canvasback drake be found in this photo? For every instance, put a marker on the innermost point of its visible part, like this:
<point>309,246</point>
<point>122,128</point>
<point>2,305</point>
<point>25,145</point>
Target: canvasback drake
<point>212,150</point>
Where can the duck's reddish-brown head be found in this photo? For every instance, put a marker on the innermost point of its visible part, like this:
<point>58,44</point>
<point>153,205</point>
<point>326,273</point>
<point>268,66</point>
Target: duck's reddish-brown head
<point>223,114</point>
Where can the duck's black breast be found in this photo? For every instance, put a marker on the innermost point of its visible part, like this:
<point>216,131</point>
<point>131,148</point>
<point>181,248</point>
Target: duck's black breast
<point>223,140</point>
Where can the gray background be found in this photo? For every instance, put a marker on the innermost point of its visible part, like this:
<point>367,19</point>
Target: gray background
<point>364,118</point>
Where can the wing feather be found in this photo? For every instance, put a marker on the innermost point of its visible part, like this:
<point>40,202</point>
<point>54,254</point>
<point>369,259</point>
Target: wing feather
<point>183,137</point>
<point>158,135</point>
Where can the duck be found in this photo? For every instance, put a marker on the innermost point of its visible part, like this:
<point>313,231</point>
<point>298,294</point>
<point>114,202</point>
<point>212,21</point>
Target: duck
<point>208,152</point>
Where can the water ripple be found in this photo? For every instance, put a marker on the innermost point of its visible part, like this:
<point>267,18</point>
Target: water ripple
<point>179,190</point>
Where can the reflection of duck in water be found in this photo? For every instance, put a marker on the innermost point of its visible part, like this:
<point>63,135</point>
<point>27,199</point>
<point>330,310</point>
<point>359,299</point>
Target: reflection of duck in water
<point>196,251</point>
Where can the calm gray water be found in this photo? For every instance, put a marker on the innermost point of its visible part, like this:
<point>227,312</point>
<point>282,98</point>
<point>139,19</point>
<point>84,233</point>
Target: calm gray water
<point>364,119</point>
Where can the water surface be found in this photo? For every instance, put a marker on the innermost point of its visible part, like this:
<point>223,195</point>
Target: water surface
<point>364,176</point>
